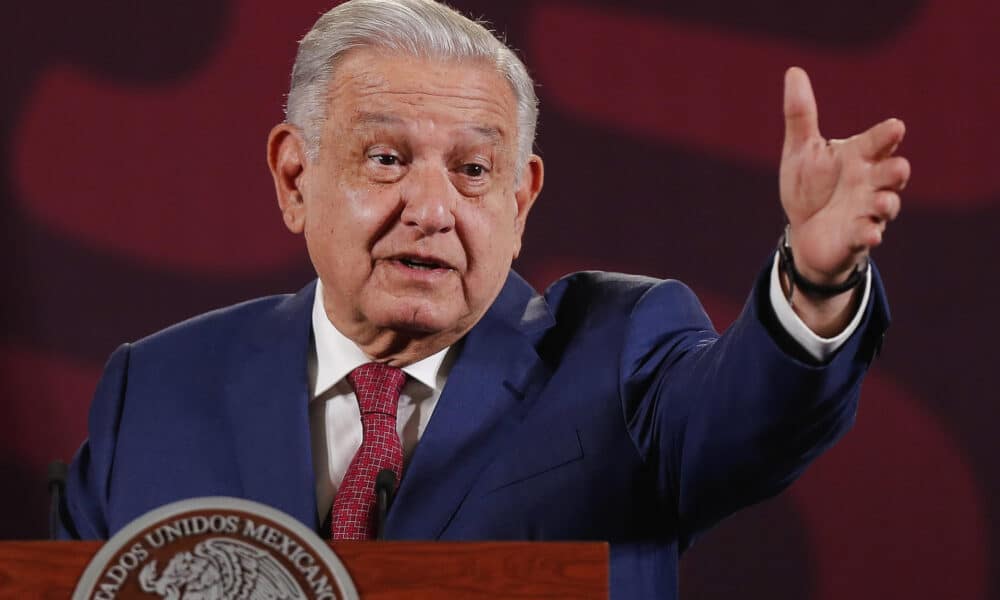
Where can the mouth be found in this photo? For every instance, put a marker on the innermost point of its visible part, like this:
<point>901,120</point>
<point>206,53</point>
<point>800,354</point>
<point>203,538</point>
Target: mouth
<point>423,263</point>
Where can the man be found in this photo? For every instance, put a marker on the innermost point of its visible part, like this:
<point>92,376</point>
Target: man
<point>607,409</point>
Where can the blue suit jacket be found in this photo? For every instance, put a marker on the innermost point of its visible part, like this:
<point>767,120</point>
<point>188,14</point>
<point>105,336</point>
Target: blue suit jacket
<point>607,410</point>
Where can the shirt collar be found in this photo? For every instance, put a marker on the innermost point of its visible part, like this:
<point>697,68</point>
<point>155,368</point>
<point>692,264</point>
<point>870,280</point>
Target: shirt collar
<point>336,355</point>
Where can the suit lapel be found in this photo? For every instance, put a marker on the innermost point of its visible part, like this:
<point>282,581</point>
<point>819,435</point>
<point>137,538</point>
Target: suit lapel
<point>496,371</point>
<point>268,402</point>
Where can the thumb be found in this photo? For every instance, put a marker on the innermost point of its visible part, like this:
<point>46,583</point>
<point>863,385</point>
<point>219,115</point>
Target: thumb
<point>801,119</point>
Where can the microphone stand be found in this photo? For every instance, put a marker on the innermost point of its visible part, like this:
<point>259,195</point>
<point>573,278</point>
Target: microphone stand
<point>385,489</point>
<point>57,484</point>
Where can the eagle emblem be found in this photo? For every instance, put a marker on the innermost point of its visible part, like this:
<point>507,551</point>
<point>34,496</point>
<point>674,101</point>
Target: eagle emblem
<point>221,569</point>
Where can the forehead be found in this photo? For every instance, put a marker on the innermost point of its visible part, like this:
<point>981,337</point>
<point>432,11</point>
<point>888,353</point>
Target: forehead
<point>404,89</point>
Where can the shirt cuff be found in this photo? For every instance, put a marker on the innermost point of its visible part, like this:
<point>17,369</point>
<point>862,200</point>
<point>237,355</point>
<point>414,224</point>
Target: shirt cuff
<point>818,347</point>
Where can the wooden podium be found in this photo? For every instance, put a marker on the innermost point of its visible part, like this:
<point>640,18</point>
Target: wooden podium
<point>380,570</point>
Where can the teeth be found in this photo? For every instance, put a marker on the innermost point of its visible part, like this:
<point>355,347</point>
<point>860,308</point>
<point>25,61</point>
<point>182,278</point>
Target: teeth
<point>418,265</point>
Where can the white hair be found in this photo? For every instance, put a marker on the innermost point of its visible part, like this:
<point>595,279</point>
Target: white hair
<point>420,28</point>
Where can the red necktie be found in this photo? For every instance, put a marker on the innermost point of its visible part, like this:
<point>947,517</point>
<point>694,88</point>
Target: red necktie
<point>377,387</point>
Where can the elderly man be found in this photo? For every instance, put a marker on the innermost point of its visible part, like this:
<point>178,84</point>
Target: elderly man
<point>606,409</point>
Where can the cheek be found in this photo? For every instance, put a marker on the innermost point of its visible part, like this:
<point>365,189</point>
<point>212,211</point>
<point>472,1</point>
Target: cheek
<point>363,206</point>
<point>345,216</point>
<point>335,243</point>
<point>490,241</point>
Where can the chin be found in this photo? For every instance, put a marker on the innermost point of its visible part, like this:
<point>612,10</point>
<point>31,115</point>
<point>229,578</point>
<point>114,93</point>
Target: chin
<point>422,318</point>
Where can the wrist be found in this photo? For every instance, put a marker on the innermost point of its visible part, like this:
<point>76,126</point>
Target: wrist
<point>813,283</point>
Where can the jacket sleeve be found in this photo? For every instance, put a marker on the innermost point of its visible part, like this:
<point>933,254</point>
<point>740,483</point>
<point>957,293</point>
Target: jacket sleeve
<point>726,421</point>
<point>84,509</point>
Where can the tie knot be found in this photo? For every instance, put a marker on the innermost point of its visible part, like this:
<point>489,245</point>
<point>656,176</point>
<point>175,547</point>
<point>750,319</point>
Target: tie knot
<point>377,386</point>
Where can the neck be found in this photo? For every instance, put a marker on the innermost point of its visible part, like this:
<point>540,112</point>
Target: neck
<point>399,349</point>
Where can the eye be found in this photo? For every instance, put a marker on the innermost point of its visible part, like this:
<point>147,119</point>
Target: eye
<point>384,164</point>
<point>473,170</point>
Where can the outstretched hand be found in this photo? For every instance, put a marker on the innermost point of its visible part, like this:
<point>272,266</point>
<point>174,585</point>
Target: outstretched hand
<point>838,195</point>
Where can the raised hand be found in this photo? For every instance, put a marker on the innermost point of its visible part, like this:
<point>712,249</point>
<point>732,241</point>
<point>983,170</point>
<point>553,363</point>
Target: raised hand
<point>838,195</point>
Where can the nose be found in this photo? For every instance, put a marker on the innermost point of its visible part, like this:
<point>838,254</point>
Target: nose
<point>428,200</point>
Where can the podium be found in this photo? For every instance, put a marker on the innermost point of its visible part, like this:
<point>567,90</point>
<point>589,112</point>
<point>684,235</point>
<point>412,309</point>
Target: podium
<point>380,570</point>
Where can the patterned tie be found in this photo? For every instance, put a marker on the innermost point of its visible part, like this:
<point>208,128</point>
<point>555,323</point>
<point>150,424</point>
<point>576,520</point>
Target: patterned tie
<point>377,387</point>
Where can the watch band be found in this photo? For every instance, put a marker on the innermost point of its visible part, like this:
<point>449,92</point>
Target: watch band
<point>786,262</point>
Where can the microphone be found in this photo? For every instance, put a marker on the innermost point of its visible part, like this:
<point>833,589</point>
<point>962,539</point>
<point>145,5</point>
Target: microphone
<point>385,489</point>
<point>57,483</point>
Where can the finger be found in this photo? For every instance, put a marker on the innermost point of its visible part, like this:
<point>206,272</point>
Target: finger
<point>891,174</point>
<point>867,233</point>
<point>881,140</point>
<point>801,119</point>
<point>885,206</point>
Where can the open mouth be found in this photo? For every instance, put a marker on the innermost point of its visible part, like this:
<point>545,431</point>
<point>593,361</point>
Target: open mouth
<point>422,264</point>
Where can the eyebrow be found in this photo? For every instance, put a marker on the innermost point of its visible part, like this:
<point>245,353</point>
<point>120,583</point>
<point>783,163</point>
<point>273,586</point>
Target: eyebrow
<point>493,133</point>
<point>370,118</point>
<point>376,118</point>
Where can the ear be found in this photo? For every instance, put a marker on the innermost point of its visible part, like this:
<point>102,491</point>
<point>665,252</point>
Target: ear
<point>287,160</point>
<point>531,185</point>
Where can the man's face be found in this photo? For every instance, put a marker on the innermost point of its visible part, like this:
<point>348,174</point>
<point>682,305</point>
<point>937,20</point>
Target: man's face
<point>411,211</point>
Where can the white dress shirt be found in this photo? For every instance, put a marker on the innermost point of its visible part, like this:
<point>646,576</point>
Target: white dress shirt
<point>818,347</point>
<point>335,418</point>
<point>334,414</point>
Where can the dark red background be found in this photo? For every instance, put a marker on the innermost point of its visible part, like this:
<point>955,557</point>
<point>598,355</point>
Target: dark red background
<point>134,194</point>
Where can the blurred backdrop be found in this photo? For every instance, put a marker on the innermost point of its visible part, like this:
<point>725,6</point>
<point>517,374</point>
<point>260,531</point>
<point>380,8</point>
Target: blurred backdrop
<point>134,194</point>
